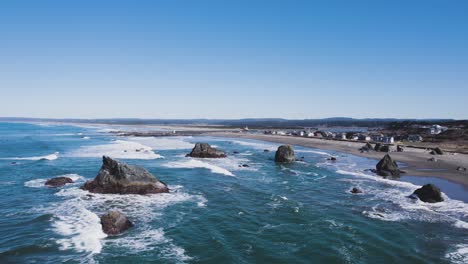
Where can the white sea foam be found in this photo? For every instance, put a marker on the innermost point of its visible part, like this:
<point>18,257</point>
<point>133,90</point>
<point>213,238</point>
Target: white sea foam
<point>38,183</point>
<point>313,151</point>
<point>119,149</point>
<point>77,221</point>
<point>459,254</point>
<point>256,145</point>
<point>52,156</point>
<point>195,163</point>
<point>163,143</point>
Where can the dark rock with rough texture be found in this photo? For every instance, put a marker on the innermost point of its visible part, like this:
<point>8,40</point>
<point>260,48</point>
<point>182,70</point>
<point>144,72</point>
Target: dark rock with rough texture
<point>384,148</point>
<point>367,147</point>
<point>204,150</point>
<point>114,223</point>
<point>120,178</point>
<point>244,165</point>
<point>285,153</point>
<point>266,150</point>
<point>400,148</point>
<point>356,190</point>
<point>429,193</point>
<point>377,147</point>
<point>332,159</point>
<point>58,181</point>
<point>387,167</point>
<point>437,151</point>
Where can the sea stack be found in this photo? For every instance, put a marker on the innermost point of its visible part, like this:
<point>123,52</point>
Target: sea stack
<point>387,167</point>
<point>285,153</point>
<point>429,193</point>
<point>120,178</point>
<point>204,150</point>
<point>114,223</point>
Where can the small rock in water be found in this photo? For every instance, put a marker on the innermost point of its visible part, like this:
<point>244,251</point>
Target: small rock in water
<point>356,190</point>
<point>58,181</point>
<point>461,169</point>
<point>429,193</point>
<point>432,159</point>
<point>235,152</point>
<point>114,223</point>
<point>204,150</point>
<point>285,153</point>
<point>266,150</point>
<point>332,159</point>
<point>387,167</point>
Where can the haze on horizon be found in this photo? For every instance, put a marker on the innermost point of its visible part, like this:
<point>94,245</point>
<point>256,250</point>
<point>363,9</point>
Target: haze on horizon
<point>213,59</point>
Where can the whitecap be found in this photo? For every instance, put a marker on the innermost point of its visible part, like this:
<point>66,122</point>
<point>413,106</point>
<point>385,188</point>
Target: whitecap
<point>38,183</point>
<point>52,156</point>
<point>163,143</point>
<point>119,149</point>
<point>195,163</point>
<point>459,254</point>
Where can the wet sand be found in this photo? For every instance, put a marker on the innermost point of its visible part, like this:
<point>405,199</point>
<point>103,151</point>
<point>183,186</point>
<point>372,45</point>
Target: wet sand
<point>415,159</point>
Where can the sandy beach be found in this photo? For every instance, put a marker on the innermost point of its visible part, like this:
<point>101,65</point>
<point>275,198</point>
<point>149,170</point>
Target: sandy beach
<point>416,160</point>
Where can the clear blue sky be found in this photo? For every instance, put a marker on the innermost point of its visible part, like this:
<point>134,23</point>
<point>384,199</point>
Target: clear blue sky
<point>214,59</point>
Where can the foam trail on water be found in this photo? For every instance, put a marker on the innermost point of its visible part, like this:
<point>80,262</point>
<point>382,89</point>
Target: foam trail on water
<point>52,156</point>
<point>194,163</point>
<point>116,149</point>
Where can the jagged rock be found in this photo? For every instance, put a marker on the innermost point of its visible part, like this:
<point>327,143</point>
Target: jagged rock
<point>387,167</point>
<point>377,147</point>
<point>114,223</point>
<point>204,150</point>
<point>429,193</point>
<point>367,147</point>
<point>285,153</point>
<point>400,148</point>
<point>58,181</point>
<point>437,151</point>
<point>118,177</point>
<point>356,190</point>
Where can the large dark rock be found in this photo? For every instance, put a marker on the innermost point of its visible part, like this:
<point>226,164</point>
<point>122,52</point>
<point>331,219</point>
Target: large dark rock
<point>118,177</point>
<point>437,151</point>
<point>377,147</point>
<point>429,193</point>
<point>367,147</point>
<point>400,148</point>
<point>58,181</point>
<point>114,223</point>
<point>387,167</point>
<point>204,150</point>
<point>384,148</point>
<point>285,153</point>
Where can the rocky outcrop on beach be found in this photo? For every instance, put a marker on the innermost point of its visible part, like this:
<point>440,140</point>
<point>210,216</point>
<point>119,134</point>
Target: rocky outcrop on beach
<point>387,167</point>
<point>204,150</point>
<point>400,148</point>
<point>58,181</point>
<point>285,153</point>
<point>367,147</point>
<point>437,151</point>
<point>429,193</point>
<point>120,178</point>
<point>114,223</point>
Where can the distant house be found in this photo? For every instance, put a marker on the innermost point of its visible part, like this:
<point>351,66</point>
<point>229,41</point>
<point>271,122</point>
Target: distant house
<point>436,129</point>
<point>415,138</point>
<point>310,134</point>
<point>281,133</point>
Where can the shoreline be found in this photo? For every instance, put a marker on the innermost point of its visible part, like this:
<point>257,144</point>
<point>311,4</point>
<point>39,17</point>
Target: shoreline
<point>416,160</point>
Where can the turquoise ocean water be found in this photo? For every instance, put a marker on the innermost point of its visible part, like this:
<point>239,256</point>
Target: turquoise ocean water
<point>217,212</point>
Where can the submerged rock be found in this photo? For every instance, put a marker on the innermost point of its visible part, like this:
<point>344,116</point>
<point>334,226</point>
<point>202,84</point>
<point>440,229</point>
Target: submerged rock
<point>266,150</point>
<point>58,181</point>
<point>120,178</point>
<point>387,167</point>
<point>285,153</point>
<point>204,150</point>
<point>429,193</point>
<point>114,223</point>
<point>356,190</point>
<point>332,159</point>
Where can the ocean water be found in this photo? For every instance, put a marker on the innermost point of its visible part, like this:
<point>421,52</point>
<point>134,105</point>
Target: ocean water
<point>217,212</point>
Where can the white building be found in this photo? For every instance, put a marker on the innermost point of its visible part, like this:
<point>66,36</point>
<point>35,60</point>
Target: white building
<point>436,129</point>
